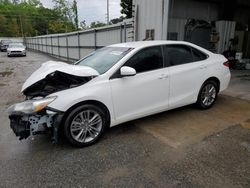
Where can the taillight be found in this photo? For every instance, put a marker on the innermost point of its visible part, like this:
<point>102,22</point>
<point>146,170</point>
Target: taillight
<point>227,64</point>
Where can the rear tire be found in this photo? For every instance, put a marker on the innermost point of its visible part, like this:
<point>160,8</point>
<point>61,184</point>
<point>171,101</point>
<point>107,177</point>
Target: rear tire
<point>207,95</point>
<point>85,125</point>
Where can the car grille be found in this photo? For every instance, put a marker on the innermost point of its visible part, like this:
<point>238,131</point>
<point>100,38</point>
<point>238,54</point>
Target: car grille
<point>16,51</point>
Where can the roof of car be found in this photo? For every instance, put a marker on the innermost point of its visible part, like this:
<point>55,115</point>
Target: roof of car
<point>143,44</point>
<point>140,44</point>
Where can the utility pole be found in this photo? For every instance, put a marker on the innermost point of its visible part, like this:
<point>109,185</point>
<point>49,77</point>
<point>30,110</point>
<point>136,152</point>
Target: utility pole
<point>21,25</point>
<point>107,12</point>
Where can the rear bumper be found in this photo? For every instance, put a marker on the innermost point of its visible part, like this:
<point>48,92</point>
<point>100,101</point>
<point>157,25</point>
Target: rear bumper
<point>224,82</point>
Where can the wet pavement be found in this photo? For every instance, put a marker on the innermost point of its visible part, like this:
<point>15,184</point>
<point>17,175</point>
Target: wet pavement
<point>184,147</point>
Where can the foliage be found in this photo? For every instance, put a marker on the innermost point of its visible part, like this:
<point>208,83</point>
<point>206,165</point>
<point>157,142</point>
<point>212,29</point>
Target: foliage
<point>117,20</point>
<point>127,8</point>
<point>75,13</point>
<point>29,18</point>
<point>97,24</point>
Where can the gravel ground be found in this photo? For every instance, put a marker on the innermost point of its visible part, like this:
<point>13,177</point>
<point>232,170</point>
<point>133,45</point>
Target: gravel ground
<point>181,148</point>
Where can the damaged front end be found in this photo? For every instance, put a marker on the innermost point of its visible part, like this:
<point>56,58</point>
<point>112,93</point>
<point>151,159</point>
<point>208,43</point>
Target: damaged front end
<point>33,116</point>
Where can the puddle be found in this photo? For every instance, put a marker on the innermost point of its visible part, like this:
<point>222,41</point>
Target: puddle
<point>244,76</point>
<point>6,73</point>
<point>245,79</point>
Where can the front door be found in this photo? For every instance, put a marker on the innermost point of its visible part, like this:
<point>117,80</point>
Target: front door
<point>145,93</point>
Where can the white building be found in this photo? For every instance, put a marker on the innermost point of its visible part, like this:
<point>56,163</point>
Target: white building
<point>208,23</point>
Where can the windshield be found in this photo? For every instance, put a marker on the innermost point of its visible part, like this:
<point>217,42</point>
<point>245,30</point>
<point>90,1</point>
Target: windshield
<point>16,46</point>
<point>102,60</point>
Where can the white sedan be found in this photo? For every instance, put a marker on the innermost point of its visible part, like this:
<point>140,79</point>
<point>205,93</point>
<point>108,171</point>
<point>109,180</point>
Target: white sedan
<point>16,49</point>
<point>115,84</point>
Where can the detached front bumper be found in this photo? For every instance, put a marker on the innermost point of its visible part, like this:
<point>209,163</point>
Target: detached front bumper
<point>25,125</point>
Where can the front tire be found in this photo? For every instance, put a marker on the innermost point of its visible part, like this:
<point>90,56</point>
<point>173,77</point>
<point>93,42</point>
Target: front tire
<point>84,125</point>
<point>207,95</point>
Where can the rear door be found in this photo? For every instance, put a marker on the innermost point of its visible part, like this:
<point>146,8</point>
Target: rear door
<point>187,73</point>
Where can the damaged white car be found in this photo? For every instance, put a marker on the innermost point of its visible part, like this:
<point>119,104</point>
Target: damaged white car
<point>116,84</point>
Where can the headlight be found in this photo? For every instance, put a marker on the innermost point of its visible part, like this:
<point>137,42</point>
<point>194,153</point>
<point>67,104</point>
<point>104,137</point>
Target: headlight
<point>31,106</point>
<point>24,51</point>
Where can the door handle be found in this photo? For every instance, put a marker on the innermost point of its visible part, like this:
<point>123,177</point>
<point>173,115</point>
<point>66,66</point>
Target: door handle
<point>203,67</point>
<point>163,76</point>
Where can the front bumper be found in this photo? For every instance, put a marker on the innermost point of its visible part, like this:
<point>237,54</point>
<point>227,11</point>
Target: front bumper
<point>16,53</point>
<point>3,49</point>
<point>25,125</point>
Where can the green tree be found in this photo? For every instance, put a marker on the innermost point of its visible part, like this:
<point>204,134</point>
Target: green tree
<point>75,13</point>
<point>127,8</point>
<point>117,20</point>
<point>29,17</point>
<point>97,24</point>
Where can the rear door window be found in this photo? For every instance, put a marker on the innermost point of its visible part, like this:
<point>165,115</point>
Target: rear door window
<point>181,54</point>
<point>197,55</point>
<point>177,55</point>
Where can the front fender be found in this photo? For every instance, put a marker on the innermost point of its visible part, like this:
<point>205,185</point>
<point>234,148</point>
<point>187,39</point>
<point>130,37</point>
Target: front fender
<point>96,92</point>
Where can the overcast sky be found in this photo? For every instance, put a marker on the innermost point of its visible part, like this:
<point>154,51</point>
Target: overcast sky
<point>93,10</point>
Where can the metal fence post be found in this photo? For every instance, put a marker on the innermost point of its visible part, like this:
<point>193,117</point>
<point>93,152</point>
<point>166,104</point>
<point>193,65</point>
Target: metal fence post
<point>79,50</point>
<point>37,44</point>
<point>51,45</point>
<point>120,33</point>
<point>95,42</point>
<point>42,44</point>
<point>125,32</point>
<point>67,47</point>
<point>46,45</point>
<point>58,45</point>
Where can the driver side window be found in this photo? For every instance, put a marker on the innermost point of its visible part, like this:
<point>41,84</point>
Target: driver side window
<point>146,60</point>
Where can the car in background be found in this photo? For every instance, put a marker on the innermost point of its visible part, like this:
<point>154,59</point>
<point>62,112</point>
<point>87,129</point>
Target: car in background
<point>116,84</point>
<point>16,49</point>
<point>4,45</point>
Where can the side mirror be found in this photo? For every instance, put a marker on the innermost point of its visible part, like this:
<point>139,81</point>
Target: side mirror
<point>127,71</point>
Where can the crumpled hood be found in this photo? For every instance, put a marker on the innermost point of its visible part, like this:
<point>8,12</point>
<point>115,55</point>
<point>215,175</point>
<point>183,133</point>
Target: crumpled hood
<point>52,66</point>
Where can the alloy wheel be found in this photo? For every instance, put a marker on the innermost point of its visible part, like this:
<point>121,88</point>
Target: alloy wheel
<point>208,94</point>
<point>86,126</point>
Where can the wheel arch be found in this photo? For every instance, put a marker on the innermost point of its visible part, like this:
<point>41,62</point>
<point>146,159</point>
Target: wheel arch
<point>215,79</point>
<point>93,102</point>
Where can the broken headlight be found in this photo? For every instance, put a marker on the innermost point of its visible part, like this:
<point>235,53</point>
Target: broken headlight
<point>31,106</point>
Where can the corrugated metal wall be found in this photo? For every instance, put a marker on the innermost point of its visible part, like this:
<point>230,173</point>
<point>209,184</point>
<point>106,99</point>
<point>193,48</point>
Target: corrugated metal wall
<point>75,45</point>
<point>149,16</point>
<point>226,31</point>
<point>176,25</point>
<point>185,9</point>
